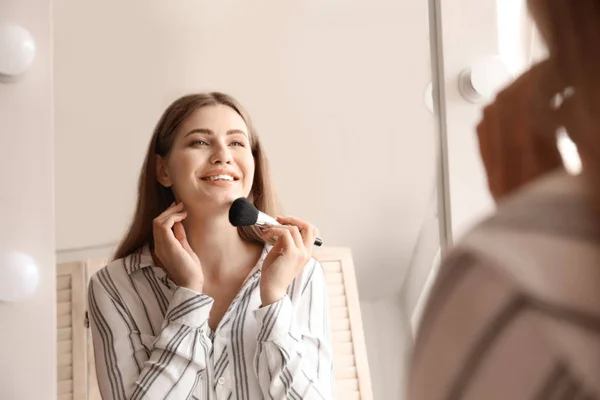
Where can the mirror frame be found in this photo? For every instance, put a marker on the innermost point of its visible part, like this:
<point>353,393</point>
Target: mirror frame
<point>439,109</point>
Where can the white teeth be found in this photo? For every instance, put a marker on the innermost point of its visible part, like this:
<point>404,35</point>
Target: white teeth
<point>219,178</point>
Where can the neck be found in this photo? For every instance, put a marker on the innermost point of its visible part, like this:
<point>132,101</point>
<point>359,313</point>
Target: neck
<point>221,250</point>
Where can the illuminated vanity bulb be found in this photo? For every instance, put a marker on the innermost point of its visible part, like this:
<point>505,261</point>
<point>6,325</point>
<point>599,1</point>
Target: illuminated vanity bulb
<point>484,79</point>
<point>17,50</point>
<point>19,276</point>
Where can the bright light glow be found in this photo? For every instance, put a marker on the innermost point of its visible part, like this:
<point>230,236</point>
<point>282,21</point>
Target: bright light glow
<point>569,153</point>
<point>511,32</point>
<point>17,50</point>
<point>19,276</point>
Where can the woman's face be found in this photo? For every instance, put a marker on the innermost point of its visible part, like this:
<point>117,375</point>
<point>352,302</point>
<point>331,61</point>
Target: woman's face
<point>211,162</point>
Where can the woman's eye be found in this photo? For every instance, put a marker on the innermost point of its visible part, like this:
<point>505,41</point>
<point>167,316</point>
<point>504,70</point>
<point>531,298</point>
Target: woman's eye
<point>199,143</point>
<point>238,144</point>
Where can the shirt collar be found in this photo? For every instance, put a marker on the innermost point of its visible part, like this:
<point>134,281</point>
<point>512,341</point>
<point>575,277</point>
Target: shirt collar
<point>142,258</point>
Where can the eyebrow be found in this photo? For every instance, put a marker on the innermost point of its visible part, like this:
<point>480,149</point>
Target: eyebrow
<point>210,132</point>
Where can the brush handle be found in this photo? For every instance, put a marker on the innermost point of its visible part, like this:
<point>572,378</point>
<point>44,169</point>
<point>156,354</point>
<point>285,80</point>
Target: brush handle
<point>264,221</point>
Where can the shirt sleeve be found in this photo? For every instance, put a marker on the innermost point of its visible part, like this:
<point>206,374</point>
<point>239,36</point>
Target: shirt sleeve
<point>294,357</point>
<point>128,370</point>
<point>482,338</point>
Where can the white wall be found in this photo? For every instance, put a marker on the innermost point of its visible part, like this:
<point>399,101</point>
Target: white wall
<point>389,348</point>
<point>28,328</point>
<point>468,37</point>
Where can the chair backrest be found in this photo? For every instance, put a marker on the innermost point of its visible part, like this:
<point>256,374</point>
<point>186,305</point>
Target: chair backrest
<point>76,370</point>
<point>71,332</point>
<point>352,378</point>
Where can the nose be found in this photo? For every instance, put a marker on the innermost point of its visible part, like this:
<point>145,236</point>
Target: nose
<point>221,154</point>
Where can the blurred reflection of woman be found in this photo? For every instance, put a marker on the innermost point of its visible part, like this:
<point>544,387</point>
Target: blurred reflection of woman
<point>515,312</point>
<point>194,308</point>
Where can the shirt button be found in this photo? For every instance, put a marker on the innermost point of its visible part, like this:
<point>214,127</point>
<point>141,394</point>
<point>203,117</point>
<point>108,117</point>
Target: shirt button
<point>221,380</point>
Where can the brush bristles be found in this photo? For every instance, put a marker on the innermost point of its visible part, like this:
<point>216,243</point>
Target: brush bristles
<point>242,213</point>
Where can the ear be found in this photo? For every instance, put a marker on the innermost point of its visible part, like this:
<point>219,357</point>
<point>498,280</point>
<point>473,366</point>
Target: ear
<point>162,174</point>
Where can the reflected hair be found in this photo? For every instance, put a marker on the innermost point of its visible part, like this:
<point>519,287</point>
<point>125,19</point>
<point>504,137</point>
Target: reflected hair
<point>154,198</point>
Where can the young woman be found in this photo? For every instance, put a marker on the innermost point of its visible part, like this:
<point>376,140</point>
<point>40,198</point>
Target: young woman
<point>194,308</point>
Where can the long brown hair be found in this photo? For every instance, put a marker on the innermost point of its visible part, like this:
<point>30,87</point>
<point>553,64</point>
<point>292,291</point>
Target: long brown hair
<point>154,198</point>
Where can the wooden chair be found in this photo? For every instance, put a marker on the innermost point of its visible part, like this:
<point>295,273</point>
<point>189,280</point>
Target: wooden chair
<point>76,371</point>
<point>352,379</point>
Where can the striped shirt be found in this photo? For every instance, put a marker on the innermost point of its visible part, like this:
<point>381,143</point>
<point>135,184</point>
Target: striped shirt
<point>515,311</point>
<point>152,339</point>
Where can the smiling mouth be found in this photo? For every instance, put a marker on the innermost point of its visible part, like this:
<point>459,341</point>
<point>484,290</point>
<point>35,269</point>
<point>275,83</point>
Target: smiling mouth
<point>215,178</point>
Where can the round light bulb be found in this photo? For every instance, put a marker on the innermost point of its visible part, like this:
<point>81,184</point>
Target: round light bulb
<point>17,50</point>
<point>19,276</point>
<point>484,79</point>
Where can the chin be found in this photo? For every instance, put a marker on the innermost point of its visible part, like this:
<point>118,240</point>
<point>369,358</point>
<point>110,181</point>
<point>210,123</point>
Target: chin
<point>214,198</point>
<point>217,201</point>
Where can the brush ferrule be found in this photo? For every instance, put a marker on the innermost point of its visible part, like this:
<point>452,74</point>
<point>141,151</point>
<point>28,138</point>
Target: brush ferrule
<point>264,219</point>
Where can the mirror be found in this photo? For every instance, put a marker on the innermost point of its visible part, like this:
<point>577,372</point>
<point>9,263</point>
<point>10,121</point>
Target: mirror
<point>340,95</point>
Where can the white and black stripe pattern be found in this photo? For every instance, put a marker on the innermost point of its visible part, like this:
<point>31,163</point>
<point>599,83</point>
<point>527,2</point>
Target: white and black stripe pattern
<point>144,384</point>
<point>515,310</point>
<point>104,332</point>
<point>240,369</point>
<point>221,364</point>
<point>163,302</point>
<point>286,349</point>
<point>137,294</point>
<point>124,313</point>
<point>152,339</point>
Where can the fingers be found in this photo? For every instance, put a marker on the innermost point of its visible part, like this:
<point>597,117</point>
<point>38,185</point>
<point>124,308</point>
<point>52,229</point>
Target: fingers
<point>284,243</point>
<point>489,135</point>
<point>290,236</point>
<point>167,226</point>
<point>168,222</point>
<point>546,92</point>
<point>179,231</point>
<point>307,231</point>
<point>515,124</point>
<point>576,34</point>
<point>166,218</point>
<point>297,237</point>
<point>174,208</point>
<point>302,225</point>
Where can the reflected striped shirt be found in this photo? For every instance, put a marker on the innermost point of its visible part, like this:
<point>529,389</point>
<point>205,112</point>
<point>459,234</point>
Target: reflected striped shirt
<point>515,311</point>
<point>152,339</point>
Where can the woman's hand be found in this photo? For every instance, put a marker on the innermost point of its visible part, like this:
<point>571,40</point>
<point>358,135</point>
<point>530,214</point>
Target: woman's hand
<point>173,250</point>
<point>574,35</point>
<point>290,253</point>
<point>517,135</point>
